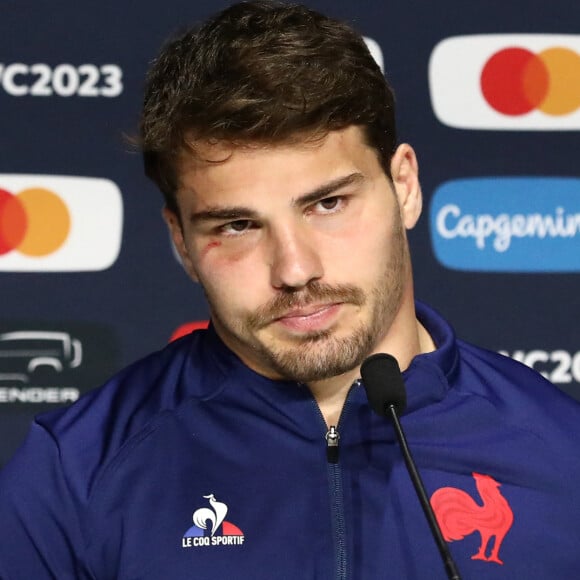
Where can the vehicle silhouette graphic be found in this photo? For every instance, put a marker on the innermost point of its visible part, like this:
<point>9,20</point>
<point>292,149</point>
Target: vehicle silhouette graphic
<point>23,352</point>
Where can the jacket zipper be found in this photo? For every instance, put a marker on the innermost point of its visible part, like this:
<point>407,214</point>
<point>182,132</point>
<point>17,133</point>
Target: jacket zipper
<point>332,438</point>
<point>336,502</point>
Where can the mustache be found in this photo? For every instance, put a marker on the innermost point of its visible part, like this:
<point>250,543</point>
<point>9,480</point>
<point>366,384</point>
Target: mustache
<point>314,293</point>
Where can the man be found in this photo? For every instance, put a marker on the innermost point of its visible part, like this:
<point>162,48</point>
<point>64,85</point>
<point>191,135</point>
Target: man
<point>270,131</point>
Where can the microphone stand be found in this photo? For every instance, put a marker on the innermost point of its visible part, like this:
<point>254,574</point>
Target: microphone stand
<point>450,567</point>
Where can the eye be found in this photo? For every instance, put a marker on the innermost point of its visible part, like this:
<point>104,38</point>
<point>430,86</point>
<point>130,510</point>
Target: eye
<point>236,227</point>
<point>329,205</point>
<point>329,202</point>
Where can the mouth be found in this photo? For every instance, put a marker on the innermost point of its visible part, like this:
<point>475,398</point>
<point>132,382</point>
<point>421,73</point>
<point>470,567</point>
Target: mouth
<point>314,317</point>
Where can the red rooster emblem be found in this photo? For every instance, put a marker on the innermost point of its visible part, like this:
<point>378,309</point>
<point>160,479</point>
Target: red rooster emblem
<point>459,515</point>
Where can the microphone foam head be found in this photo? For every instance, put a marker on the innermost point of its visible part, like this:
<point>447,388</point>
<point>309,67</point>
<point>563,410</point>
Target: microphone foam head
<point>383,383</point>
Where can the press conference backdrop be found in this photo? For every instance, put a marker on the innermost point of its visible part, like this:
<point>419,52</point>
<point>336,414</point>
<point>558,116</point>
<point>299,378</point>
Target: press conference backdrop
<point>488,93</point>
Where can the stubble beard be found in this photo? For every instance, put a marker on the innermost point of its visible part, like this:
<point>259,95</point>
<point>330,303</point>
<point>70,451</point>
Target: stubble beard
<point>322,355</point>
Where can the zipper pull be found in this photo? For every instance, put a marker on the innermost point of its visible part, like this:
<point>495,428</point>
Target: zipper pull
<point>332,438</point>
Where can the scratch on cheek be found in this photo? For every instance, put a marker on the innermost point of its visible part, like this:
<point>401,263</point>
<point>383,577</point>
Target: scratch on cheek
<point>209,247</point>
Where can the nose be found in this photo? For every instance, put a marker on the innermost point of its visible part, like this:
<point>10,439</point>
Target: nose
<point>295,261</point>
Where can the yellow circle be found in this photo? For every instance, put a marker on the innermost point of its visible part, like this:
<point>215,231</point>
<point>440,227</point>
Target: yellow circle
<point>563,95</point>
<point>48,222</point>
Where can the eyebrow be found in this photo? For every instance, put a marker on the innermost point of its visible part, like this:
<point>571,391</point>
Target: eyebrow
<point>241,212</point>
<point>223,213</point>
<point>329,188</point>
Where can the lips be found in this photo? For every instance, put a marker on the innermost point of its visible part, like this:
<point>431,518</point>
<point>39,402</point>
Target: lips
<point>309,318</point>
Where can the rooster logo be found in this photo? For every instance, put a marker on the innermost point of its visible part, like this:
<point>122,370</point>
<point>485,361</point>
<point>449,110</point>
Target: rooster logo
<point>459,515</point>
<point>210,527</point>
<point>215,517</point>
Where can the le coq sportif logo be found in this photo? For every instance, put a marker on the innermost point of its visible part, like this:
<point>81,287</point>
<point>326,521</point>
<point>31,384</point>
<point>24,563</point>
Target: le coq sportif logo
<point>52,223</point>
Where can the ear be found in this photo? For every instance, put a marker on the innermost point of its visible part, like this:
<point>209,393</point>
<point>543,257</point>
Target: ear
<point>176,231</point>
<point>405,175</point>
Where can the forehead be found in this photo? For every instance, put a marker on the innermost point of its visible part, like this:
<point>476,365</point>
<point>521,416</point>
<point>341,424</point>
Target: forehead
<point>221,170</point>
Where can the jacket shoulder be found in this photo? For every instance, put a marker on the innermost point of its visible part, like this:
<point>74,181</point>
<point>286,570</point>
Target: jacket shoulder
<point>102,424</point>
<point>520,392</point>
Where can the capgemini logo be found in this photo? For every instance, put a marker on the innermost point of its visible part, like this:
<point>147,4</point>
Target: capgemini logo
<point>514,224</point>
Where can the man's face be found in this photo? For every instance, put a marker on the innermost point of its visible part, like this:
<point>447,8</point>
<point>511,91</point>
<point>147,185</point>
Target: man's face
<point>300,249</point>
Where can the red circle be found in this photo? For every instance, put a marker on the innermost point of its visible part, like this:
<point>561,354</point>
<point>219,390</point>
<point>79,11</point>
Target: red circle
<point>187,328</point>
<point>13,222</point>
<point>514,81</point>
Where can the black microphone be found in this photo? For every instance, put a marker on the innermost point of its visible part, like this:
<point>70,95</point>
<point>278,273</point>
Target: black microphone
<point>387,396</point>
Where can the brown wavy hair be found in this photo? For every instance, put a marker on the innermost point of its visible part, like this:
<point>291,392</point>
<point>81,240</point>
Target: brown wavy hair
<point>261,72</point>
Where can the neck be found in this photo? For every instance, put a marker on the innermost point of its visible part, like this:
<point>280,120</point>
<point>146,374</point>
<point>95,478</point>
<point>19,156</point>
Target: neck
<point>330,394</point>
<point>405,339</point>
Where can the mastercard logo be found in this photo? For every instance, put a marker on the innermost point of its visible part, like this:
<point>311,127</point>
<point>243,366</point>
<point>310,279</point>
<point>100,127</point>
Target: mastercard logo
<point>58,223</point>
<point>507,81</point>
<point>36,222</point>
<point>515,81</point>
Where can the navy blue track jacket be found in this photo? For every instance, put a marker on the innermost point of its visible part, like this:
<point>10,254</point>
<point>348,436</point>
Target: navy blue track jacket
<point>188,465</point>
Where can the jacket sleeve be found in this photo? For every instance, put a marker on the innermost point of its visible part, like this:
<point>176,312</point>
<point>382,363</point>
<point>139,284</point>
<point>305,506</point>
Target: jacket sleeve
<point>39,516</point>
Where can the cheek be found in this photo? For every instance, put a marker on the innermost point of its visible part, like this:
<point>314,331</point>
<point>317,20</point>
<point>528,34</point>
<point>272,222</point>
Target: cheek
<point>226,269</point>
<point>208,247</point>
<point>218,251</point>
<point>363,257</point>
<point>217,258</point>
<point>361,240</point>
